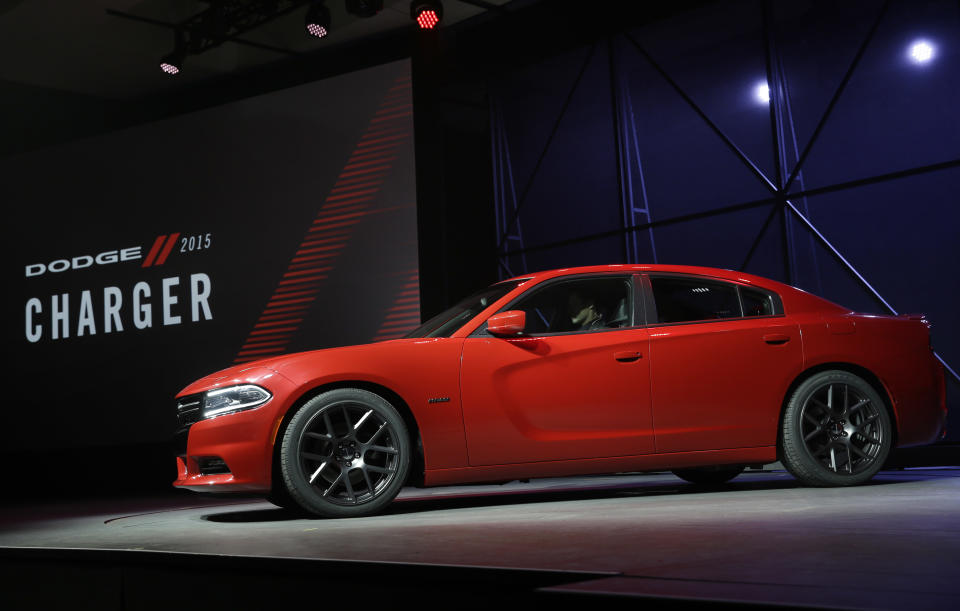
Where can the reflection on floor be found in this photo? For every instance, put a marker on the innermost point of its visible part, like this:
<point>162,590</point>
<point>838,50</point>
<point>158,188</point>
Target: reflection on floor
<point>760,539</point>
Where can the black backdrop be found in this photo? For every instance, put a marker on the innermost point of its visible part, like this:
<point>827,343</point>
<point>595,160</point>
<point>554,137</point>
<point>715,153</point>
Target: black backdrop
<point>313,182</point>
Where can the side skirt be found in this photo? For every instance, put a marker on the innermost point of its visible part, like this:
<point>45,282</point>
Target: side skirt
<point>592,466</point>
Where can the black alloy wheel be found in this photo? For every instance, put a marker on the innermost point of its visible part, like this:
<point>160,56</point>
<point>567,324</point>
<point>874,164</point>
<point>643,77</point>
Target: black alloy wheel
<point>836,430</point>
<point>345,453</point>
<point>710,476</point>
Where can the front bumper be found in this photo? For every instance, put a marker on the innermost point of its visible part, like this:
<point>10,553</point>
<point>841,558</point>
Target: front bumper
<point>244,441</point>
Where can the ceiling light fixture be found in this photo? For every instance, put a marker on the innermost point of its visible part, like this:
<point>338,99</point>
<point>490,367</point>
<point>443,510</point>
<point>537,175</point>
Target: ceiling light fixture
<point>921,52</point>
<point>762,93</point>
<point>427,13</point>
<point>318,20</point>
<point>172,63</point>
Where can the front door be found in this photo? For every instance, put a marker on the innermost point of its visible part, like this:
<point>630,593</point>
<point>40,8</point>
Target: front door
<point>575,386</point>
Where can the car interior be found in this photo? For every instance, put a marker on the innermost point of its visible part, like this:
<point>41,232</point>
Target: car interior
<point>555,308</point>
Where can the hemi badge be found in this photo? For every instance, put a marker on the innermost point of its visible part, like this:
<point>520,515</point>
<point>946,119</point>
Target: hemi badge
<point>439,400</point>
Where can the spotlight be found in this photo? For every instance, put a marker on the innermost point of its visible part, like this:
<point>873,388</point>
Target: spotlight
<point>762,93</point>
<point>171,64</point>
<point>426,13</point>
<point>364,8</point>
<point>921,51</point>
<point>318,20</point>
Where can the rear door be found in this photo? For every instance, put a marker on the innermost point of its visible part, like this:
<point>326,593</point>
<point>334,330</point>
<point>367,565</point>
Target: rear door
<point>722,355</point>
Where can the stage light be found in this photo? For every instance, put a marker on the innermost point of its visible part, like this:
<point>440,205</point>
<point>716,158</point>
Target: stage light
<point>921,52</point>
<point>426,13</point>
<point>172,64</point>
<point>762,93</point>
<point>318,20</point>
<point>364,8</point>
<point>427,19</point>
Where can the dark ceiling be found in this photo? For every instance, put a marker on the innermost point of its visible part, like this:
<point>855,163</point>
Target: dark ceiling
<point>86,48</point>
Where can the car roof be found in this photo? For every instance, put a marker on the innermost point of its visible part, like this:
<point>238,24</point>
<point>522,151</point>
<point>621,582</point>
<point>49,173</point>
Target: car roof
<point>797,299</point>
<point>713,272</point>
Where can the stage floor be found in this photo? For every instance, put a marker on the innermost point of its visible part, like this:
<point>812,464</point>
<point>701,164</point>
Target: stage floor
<point>892,544</point>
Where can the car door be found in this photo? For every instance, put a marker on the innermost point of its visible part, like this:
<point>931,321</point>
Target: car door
<point>574,386</point>
<point>721,358</point>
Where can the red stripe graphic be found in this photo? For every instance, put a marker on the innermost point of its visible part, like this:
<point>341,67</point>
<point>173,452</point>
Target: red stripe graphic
<point>404,315</point>
<point>288,321</point>
<point>393,108</point>
<point>362,164</point>
<point>338,206</point>
<point>340,196</point>
<point>346,205</point>
<point>394,116</point>
<point>332,226</point>
<point>308,244</point>
<point>355,187</point>
<point>298,280</point>
<point>171,241</point>
<point>369,156</point>
<point>393,138</point>
<point>366,171</point>
<point>153,251</point>
<point>353,181</point>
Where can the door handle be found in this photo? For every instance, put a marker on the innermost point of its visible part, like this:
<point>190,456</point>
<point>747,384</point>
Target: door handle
<point>627,356</point>
<point>776,339</point>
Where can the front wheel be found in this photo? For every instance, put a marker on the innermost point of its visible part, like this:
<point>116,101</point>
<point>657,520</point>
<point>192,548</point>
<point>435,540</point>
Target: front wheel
<point>836,430</point>
<point>345,453</point>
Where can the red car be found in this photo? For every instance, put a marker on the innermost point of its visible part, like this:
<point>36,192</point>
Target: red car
<point>586,370</point>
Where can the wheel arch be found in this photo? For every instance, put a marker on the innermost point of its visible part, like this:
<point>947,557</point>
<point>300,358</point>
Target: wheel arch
<point>416,475</point>
<point>858,370</point>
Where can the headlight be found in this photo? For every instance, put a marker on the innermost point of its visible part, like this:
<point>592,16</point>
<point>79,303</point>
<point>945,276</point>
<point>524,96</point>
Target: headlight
<point>233,399</point>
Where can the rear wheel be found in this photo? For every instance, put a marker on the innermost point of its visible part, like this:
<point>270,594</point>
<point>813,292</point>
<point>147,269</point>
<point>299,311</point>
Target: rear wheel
<point>836,430</point>
<point>710,476</point>
<point>345,453</point>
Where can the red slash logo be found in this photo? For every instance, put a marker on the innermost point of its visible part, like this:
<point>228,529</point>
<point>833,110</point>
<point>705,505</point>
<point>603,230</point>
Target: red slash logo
<point>160,250</point>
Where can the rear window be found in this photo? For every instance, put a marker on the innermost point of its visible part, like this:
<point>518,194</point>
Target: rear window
<point>756,303</point>
<point>689,299</point>
<point>696,299</point>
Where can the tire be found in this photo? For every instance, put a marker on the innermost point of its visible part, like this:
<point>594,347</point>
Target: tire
<point>346,453</point>
<point>836,431</point>
<point>710,476</point>
<point>282,499</point>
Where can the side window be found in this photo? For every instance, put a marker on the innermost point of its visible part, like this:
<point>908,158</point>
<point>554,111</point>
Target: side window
<point>578,305</point>
<point>756,303</point>
<point>690,299</point>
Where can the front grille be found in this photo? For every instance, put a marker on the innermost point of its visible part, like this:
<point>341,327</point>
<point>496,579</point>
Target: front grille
<point>188,409</point>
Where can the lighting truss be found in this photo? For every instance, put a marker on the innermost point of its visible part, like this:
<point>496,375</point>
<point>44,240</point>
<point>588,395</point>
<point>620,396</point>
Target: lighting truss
<point>226,20</point>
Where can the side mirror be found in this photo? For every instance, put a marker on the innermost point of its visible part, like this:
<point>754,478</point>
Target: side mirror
<point>507,324</point>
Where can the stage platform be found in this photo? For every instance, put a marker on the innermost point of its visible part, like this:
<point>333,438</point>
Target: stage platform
<point>762,539</point>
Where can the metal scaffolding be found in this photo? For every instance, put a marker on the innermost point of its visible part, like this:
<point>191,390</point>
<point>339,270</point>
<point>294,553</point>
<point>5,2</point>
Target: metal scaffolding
<point>790,207</point>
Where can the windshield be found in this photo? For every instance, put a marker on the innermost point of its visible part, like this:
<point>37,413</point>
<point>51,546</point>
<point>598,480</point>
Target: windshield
<point>446,323</point>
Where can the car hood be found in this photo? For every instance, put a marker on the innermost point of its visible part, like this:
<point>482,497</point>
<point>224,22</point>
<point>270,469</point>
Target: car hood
<point>262,368</point>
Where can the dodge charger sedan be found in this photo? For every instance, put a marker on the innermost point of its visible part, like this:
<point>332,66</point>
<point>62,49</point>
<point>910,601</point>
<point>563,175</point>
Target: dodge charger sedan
<point>574,371</point>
